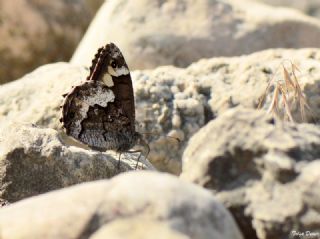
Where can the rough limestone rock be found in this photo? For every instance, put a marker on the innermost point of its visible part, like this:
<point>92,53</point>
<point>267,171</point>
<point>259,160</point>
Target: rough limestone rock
<point>36,97</point>
<point>132,205</point>
<point>169,101</point>
<point>280,210</point>
<point>310,7</point>
<point>179,32</point>
<point>35,32</point>
<point>265,172</point>
<point>36,160</point>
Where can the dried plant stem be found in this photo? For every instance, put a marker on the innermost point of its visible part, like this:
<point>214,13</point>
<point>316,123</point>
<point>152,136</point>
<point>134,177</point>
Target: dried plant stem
<point>287,91</point>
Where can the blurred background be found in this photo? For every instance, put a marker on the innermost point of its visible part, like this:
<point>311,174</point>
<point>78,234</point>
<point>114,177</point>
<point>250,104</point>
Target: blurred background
<point>36,32</point>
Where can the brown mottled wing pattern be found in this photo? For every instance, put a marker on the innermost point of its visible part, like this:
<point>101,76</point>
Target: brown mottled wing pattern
<point>122,88</point>
<point>101,116</point>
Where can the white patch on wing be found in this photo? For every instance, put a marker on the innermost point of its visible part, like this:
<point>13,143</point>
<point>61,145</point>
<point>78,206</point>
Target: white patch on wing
<point>119,71</point>
<point>107,80</point>
<point>122,71</point>
<point>111,71</point>
<point>96,96</point>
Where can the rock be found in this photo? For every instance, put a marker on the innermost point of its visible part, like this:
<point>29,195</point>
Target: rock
<point>36,160</point>
<point>36,32</point>
<point>264,171</point>
<point>179,32</point>
<point>310,7</point>
<point>132,205</point>
<point>281,210</point>
<point>36,97</point>
<point>155,230</point>
<point>169,100</point>
<point>179,102</point>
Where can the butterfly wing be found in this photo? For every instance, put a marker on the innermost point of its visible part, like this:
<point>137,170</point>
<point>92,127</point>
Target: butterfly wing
<point>100,112</point>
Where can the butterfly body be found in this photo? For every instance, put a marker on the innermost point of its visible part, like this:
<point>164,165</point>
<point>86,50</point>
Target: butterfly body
<point>100,112</point>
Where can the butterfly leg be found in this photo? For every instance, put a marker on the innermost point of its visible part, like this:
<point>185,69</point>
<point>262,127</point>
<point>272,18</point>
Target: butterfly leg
<point>119,160</point>
<point>143,151</point>
<point>136,151</point>
<point>140,153</point>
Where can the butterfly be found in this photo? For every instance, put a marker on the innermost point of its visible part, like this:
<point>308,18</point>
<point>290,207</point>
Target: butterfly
<point>100,112</point>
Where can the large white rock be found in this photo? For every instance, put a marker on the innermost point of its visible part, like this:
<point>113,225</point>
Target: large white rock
<point>265,172</point>
<point>36,160</point>
<point>132,205</point>
<point>178,32</point>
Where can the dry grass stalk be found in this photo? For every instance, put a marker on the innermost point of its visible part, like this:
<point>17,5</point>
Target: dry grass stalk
<point>286,93</point>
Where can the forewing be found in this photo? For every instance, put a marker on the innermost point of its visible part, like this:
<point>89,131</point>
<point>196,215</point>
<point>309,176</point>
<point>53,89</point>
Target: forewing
<point>120,77</point>
<point>101,115</point>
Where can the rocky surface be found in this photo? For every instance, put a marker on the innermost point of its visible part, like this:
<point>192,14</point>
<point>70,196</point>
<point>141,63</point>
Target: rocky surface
<point>36,160</point>
<point>36,97</point>
<point>36,32</point>
<point>153,33</point>
<point>170,101</point>
<point>310,7</point>
<point>121,208</point>
<point>265,171</point>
